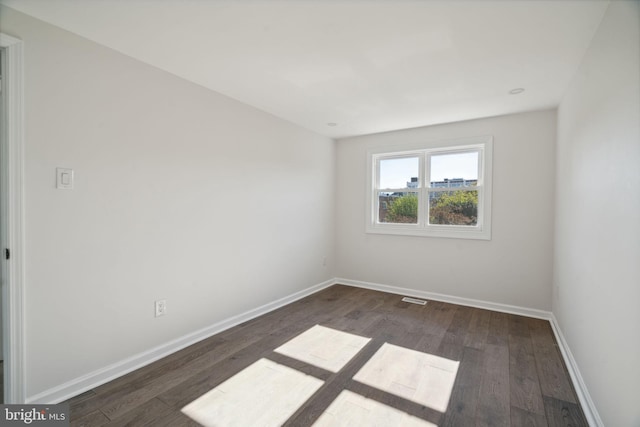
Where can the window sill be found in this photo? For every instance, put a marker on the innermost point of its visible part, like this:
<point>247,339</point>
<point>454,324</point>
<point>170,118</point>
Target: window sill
<point>472,233</point>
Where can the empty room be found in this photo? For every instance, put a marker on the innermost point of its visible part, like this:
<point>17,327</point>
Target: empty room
<point>329,213</point>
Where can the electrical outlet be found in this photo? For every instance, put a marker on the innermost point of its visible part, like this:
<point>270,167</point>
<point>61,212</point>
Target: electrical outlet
<point>161,307</point>
<point>324,261</point>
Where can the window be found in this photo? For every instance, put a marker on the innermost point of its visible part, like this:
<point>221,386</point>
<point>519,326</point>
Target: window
<point>441,190</point>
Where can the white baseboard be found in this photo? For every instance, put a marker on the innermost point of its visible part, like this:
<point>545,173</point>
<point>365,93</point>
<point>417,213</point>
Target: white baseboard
<point>590,412</point>
<point>588,407</point>
<point>94,379</point>
<point>504,308</point>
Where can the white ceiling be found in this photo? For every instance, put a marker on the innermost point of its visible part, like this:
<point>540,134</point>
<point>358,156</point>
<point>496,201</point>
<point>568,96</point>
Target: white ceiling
<point>369,66</point>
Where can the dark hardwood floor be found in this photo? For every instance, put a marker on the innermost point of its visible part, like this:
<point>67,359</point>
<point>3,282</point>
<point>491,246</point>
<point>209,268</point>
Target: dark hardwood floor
<point>510,372</point>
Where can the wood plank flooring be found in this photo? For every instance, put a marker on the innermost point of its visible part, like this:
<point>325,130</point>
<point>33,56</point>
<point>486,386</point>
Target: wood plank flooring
<point>510,371</point>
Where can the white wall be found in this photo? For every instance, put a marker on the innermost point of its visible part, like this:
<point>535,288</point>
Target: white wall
<point>597,250</point>
<point>1,333</point>
<point>180,193</point>
<point>515,267</point>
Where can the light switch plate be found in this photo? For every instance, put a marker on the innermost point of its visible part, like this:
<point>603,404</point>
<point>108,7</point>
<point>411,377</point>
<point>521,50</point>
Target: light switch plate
<point>64,178</point>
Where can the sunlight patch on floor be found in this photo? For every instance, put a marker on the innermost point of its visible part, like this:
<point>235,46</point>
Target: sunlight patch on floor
<point>265,393</point>
<point>420,377</point>
<point>324,347</point>
<point>350,409</point>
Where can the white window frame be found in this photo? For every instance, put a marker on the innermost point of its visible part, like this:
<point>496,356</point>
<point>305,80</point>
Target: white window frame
<point>482,230</point>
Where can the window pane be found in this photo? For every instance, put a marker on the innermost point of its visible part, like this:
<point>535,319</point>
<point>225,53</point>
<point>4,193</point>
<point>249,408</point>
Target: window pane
<point>399,173</point>
<point>453,207</point>
<point>398,208</point>
<point>454,170</point>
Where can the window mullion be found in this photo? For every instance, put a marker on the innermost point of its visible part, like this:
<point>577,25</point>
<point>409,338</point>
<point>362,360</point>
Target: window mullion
<point>420,190</point>
<point>427,187</point>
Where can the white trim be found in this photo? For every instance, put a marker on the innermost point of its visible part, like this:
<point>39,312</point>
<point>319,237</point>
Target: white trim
<point>12,202</point>
<point>588,407</point>
<point>469,302</point>
<point>424,151</point>
<point>93,379</point>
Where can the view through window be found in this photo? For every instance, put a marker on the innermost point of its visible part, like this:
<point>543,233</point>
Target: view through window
<point>439,191</point>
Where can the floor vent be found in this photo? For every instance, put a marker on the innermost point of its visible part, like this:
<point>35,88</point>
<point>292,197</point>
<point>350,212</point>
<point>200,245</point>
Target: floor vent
<point>414,300</point>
